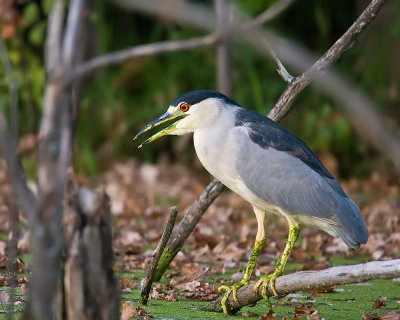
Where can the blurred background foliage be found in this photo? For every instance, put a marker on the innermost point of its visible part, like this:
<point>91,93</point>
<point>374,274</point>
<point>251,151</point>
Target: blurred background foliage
<point>118,101</point>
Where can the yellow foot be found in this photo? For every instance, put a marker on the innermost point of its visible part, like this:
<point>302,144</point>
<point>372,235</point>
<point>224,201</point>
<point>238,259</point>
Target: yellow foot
<point>265,280</point>
<point>228,290</point>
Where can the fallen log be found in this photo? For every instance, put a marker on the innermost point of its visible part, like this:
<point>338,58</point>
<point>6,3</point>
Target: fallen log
<point>310,280</point>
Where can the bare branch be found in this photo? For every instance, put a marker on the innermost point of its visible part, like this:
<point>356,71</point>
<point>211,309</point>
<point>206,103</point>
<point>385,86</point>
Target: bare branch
<point>269,14</point>
<point>137,52</point>
<point>309,280</point>
<point>151,270</point>
<point>53,37</point>
<point>285,75</point>
<point>73,31</point>
<point>330,57</point>
<point>223,10</point>
<point>25,199</point>
<point>182,231</point>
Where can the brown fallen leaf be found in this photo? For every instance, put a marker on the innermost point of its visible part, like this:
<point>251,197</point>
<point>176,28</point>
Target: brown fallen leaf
<point>320,291</point>
<point>315,265</point>
<point>170,296</point>
<point>128,311</point>
<point>300,310</point>
<point>22,280</point>
<point>188,286</point>
<point>314,316</point>
<point>269,316</point>
<point>192,268</point>
<point>19,265</point>
<point>380,303</point>
<point>142,312</point>
<point>157,293</point>
<point>204,255</point>
<point>126,283</point>
<point>190,279</point>
<point>232,252</point>
<point>266,269</point>
<point>249,314</point>
<point>390,315</point>
<point>371,316</point>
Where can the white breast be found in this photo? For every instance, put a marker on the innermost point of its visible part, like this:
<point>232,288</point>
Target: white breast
<point>216,147</point>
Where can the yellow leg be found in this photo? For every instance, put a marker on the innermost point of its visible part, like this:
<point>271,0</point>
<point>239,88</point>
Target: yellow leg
<point>294,231</point>
<point>258,246</point>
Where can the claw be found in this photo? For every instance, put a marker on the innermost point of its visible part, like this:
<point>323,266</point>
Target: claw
<point>234,288</point>
<point>225,297</point>
<point>265,280</point>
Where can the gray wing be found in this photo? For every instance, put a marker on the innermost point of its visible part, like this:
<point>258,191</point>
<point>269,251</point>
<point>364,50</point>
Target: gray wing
<point>284,179</point>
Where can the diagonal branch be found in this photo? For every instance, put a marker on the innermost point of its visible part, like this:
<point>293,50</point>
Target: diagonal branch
<point>186,226</point>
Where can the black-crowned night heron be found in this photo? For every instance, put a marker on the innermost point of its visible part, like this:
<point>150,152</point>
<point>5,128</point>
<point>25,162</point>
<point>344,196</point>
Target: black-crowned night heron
<point>269,167</point>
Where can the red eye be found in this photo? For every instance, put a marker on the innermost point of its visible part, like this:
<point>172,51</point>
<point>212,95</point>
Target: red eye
<point>184,107</point>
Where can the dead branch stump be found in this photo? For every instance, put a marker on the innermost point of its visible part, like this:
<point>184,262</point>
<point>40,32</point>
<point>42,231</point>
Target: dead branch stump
<point>88,288</point>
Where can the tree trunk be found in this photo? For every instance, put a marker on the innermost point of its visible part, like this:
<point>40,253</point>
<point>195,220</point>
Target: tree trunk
<point>88,288</point>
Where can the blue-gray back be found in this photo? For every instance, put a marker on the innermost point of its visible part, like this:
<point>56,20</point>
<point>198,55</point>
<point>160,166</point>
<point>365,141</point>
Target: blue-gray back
<point>280,168</point>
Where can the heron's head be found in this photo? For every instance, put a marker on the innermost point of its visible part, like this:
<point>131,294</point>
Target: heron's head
<point>192,110</point>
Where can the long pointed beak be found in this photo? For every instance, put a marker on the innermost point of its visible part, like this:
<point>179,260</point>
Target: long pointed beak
<point>163,118</point>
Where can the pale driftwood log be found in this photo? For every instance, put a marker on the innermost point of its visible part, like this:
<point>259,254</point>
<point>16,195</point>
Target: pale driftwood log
<point>310,280</point>
<point>89,289</point>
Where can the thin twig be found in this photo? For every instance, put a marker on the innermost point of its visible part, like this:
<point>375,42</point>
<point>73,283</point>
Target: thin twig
<point>285,75</point>
<point>119,57</point>
<point>309,280</point>
<point>148,281</point>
